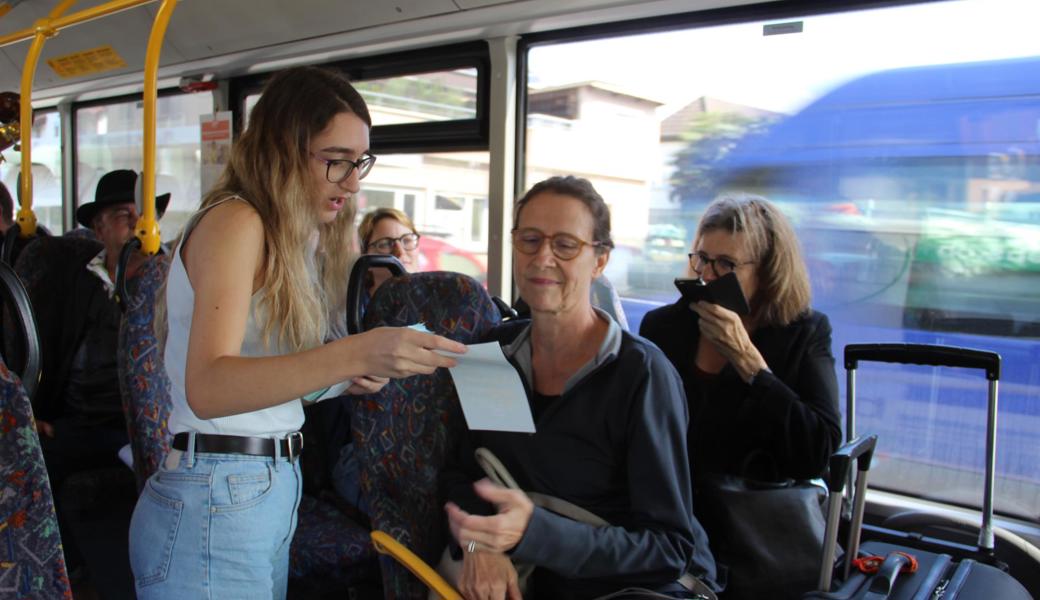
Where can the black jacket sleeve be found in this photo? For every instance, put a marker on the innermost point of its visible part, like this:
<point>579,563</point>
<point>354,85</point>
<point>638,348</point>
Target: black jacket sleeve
<point>797,411</point>
<point>790,415</point>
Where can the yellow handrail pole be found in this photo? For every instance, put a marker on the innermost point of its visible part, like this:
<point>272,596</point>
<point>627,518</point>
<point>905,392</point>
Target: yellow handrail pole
<point>385,544</point>
<point>87,14</point>
<point>43,29</point>
<point>148,224</point>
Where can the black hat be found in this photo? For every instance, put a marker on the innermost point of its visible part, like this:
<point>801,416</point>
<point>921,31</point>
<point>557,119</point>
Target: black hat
<point>115,187</point>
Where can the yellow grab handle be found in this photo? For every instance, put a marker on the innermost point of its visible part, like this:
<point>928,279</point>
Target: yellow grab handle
<point>43,29</point>
<point>148,224</point>
<point>387,545</point>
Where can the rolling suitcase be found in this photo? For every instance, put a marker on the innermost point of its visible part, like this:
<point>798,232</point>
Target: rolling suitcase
<point>899,571</point>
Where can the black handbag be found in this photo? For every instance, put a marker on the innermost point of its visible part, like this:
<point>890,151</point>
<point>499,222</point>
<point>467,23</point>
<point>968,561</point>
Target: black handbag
<point>768,535</point>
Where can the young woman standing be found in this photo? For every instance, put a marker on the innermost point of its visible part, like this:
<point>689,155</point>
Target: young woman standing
<point>250,302</point>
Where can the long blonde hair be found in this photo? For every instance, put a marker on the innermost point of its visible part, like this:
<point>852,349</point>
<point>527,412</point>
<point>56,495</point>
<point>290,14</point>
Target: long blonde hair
<point>270,170</point>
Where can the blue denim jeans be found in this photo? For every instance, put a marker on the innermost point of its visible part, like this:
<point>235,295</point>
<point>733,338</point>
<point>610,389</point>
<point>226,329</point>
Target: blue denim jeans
<point>215,526</point>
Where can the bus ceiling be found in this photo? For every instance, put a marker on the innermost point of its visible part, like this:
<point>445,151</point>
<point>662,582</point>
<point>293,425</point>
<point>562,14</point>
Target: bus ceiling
<point>234,37</point>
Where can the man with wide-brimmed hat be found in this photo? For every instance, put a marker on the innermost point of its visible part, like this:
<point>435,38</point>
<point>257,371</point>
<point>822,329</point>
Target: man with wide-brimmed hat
<point>78,404</point>
<point>113,215</point>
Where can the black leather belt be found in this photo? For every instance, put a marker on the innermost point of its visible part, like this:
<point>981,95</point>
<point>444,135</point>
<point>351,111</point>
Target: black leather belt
<point>289,447</point>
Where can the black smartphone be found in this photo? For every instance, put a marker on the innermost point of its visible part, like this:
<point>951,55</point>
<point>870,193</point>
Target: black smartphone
<point>724,291</point>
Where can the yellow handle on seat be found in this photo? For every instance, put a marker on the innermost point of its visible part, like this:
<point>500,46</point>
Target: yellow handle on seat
<point>387,545</point>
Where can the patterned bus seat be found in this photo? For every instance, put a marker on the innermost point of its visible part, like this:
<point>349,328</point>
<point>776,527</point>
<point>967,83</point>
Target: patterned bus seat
<point>32,565</point>
<point>142,374</point>
<point>402,432</point>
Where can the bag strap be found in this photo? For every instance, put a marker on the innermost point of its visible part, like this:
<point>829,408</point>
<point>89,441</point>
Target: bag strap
<point>498,473</point>
<point>643,593</point>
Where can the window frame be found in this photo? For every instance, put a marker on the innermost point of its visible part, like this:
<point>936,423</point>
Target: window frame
<point>454,135</point>
<point>109,101</point>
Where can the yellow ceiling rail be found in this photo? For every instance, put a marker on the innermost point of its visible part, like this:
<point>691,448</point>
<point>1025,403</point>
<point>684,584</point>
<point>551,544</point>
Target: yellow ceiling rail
<point>43,29</point>
<point>148,224</point>
<point>58,22</point>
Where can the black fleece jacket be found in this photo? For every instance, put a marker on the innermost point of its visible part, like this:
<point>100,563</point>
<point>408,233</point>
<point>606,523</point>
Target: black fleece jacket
<point>785,425</point>
<point>614,444</point>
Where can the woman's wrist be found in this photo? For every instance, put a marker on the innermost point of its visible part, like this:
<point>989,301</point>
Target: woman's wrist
<point>749,366</point>
<point>750,380</point>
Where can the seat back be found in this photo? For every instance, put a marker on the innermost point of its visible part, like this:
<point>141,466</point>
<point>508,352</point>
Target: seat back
<point>20,335</point>
<point>403,432</point>
<point>605,297</point>
<point>143,381</point>
<point>12,243</point>
<point>32,564</point>
<point>81,232</point>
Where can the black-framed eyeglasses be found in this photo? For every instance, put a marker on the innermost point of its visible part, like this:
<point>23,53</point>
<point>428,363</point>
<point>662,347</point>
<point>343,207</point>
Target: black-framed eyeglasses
<point>720,265</point>
<point>408,241</point>
<point>564,246</point>
<point>338,169</point>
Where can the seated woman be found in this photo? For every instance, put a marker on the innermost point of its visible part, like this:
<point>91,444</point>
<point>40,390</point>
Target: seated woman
<point>762,392</point>
<point>388,231</point>
<point>611,429</point>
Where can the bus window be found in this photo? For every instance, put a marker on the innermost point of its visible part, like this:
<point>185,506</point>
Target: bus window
<point>910,169</point>
<point>415,98</point>
<point>108,136</point>
<point>444,193</point>
<point>423,97</point>
<point>445,196</point>
<point>46,170</point>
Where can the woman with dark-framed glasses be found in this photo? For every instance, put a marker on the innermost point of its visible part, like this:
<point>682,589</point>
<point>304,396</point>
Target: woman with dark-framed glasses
<point>254,329</point>
<point>389,231</point>
<point>610,437</point>
<point>762,391</point>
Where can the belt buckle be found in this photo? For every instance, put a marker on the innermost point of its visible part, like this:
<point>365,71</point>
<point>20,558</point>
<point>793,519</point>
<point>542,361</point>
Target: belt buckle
<point>294,439</point>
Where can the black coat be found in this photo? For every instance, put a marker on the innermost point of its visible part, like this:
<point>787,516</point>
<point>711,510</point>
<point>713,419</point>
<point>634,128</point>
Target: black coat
<point>54,270</point>
<point>786,425</point>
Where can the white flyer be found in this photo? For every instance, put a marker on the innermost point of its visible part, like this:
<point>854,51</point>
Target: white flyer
<point>490,390</point>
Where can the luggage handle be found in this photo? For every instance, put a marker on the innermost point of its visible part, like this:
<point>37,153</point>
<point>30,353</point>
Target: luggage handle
<point>944,356</point>
<point>882,584</point>
<point>925,354</point>
<point>860,450</point>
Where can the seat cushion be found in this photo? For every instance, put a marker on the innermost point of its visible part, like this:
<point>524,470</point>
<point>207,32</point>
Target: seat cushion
<point>328,545</point>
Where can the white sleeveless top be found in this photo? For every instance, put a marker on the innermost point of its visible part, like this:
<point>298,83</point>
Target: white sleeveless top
<point>275,421</point>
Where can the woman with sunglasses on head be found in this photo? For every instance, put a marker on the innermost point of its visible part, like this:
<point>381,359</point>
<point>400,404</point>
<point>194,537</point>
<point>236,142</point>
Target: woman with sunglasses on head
<point>610,436</point>
<point>389,231</point>
<point>761,388</point>
<point>253,300</point>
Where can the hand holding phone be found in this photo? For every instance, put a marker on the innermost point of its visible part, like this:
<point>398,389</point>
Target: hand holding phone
<point>724,291</point>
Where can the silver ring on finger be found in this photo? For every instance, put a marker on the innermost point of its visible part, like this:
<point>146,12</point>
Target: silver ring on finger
<point>471,547</point>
